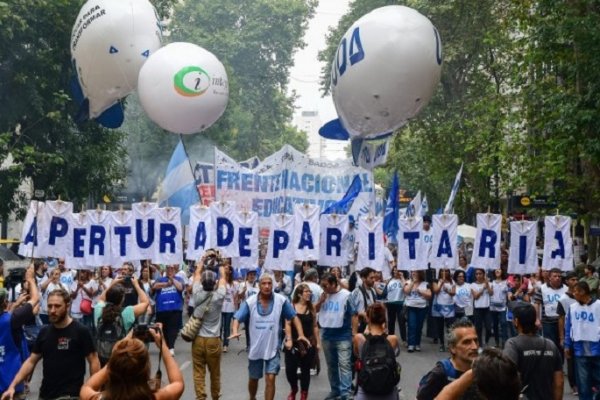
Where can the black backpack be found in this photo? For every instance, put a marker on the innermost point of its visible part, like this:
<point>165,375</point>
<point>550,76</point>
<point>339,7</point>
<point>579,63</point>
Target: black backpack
<point>379,372</point>
<point>107,335</point>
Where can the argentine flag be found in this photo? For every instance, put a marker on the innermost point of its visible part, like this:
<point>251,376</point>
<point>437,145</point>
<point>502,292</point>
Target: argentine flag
<point>179,186</point>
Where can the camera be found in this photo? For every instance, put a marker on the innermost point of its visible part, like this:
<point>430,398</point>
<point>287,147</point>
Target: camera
<point>142,332</point>
<point>127,279</point>
<point>15,277</point>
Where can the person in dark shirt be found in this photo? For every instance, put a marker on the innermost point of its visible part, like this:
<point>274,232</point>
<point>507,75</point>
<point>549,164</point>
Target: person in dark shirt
<point>64,345</point>
<point>463,346</point>
<point>12,345</point>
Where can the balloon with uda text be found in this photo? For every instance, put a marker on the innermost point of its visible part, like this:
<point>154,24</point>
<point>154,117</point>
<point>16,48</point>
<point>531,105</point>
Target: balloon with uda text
<point>183,88</point>
<point>110,41</point>
<point>385,71</point>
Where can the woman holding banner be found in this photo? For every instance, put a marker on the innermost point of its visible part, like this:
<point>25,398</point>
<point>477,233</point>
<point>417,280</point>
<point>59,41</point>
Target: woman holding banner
<point>417,294</point>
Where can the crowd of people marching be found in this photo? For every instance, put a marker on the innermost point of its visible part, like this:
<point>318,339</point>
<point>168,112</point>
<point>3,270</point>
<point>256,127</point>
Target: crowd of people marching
<point>499,335</point>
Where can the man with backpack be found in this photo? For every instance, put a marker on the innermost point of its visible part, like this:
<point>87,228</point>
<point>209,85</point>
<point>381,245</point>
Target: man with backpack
<point>112,321</point>
<point>463,346</point>
<point>538,359</point>
<point>364,295</point>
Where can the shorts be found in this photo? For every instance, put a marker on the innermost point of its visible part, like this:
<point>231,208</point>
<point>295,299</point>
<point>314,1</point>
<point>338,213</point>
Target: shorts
<point>257,367</point>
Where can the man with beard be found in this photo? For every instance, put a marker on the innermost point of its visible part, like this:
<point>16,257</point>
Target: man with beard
<point>64,345</point>
<point>463,346</point>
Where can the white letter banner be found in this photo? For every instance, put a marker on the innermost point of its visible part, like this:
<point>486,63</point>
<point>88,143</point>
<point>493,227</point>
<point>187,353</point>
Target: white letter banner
<point>558,243</point>
<point>333,230</point>
<point>30,239</point>
<point>280,253</point>
<point>144,229</point>
<point>223,230</point>
<point>55,230</point>
<point>370,243</point>
<point>200,234</point>
<point>97,252</point>
<point>522,256</point>
<point>444,243</point>
<point>306,232</point>
<point>121,236</point>
<point>80,227</point>
<point>246,225</point>
<point>169,235</point>
<point>412,254</point>
<point>486,251</point>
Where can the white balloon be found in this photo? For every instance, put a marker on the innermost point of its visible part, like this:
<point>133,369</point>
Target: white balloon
<point>183,88</point>
<point>386,69</point>
<point>110,42</point>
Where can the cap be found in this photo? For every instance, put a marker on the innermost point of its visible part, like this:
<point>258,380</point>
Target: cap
<point>427,218</point>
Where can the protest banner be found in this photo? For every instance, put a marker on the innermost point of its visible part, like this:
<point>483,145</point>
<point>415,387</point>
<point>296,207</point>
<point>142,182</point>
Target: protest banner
<point>412,253</point>
<point>370,243</point>
<point>522,256</point>
<point>558,243</point>
<point>486,251</point>
<point>444,249</point>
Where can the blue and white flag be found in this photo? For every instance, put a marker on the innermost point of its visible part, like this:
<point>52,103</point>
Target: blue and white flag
<point>179,186</point>
<point>414,207</point>
<point>345,204</point>
<point>390,219</point>
<point>450,203</point>
<point>424,207</point>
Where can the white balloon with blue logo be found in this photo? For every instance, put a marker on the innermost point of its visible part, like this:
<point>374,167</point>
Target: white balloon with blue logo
<point>110,41</point>
<point>386,69</point>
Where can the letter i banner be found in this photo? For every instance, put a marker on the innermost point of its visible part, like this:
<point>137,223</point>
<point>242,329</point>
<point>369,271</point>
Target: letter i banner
<point>486,252</point>
<point>558,243</point>
<point>411,249</point>
<point>306,232</point>
<point>522,256</point>
<point>280,254</point>
<point>370,243</point>
<point>55,235</point>
<point>223,230</point>
<point>200,231</point>
<point>444,246</point>
<point>30,239</point>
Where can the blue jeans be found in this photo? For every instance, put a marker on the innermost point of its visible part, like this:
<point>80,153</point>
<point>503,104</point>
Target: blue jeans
<point>226,327</point>
<point>416,318</point>
<point>339,370</point>
<point>588,376</point>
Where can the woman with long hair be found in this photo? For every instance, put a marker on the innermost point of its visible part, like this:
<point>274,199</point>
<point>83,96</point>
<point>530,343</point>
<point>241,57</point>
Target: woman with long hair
<point>294,356</point>
<point>482,290</point>
<point>443,304</point>
<point>376,326</point>
<point>394,301</point>
<point>127,374</point>
<point>417,294</point>
<point>463,298</point>
<point>146,282</point>
<point>498,302</point>
<point>229,304</point>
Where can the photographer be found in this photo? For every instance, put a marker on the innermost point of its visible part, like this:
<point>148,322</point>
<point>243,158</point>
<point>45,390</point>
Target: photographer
<point>127,374</point>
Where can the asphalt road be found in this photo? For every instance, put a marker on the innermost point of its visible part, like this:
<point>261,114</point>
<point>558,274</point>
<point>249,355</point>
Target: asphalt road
<point>234,373</point>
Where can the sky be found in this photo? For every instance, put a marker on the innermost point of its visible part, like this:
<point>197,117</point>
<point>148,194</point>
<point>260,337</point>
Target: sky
<point>307,69</point>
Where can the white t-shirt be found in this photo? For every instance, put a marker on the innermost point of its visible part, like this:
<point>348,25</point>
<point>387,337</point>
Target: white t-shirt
<point>414,298</point>
<point>395,290</point>
<point>463,297</point>
<point>498,299</point>
<point>484,300</point>
<point>229,300</point>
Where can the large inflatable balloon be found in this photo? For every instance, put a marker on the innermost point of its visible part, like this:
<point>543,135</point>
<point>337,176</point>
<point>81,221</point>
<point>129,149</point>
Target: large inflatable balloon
<point>183,88</point>
<point>385,71</point>
<point>110,42</point>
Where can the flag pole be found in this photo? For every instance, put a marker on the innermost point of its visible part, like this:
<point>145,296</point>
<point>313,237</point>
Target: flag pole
<point>190,164</point>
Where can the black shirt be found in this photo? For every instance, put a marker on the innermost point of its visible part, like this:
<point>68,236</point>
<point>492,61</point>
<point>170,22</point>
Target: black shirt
<point>22,315</point>
<point>64,353</point>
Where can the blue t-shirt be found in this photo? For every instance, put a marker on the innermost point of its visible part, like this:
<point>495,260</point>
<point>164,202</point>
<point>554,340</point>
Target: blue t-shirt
<point>169,298</point>
<point>345,331</point>
<point>127,315</point>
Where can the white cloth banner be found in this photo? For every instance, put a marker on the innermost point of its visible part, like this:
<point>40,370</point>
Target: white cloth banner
<point>199,232</point>
<point>306,232</point>
<point>97,252</point>
<point>143,231</point>
<point>223,229</point>
<point>370,243</point>
<point>558,243</point>
<point>169,234</point>
<point>55,232</point>
<point>80,226</point>
<point>30,239</point>
<point>280,253</point>
<point>522,256</point>
<point>444,243</point>
<point>412,252</point>
<point>246,224</point>
<point>486,251</point>
<point>121,236</point>
<point>333,230</point>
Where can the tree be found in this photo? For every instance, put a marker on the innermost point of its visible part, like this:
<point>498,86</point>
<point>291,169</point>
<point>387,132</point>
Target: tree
<point>255,40</point>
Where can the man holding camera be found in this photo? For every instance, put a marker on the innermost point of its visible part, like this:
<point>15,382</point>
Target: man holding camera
<point>206,348</point>
<point>11,332</point>
<point>264,312</point>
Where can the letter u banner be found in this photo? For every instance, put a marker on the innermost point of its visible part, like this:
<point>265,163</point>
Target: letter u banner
<point>558,244</point>
<point>486,252</point>
<point>522,258</point>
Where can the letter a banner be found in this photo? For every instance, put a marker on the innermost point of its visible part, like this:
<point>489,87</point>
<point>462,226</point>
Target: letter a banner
<point>444,249</point>
<point>522,257</point>
<point>558,244</point>
<point>306,232</point>
<point>486,252</point>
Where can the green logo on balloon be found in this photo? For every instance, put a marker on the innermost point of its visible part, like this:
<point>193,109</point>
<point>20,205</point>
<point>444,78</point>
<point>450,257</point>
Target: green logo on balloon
<point>191,81</point>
